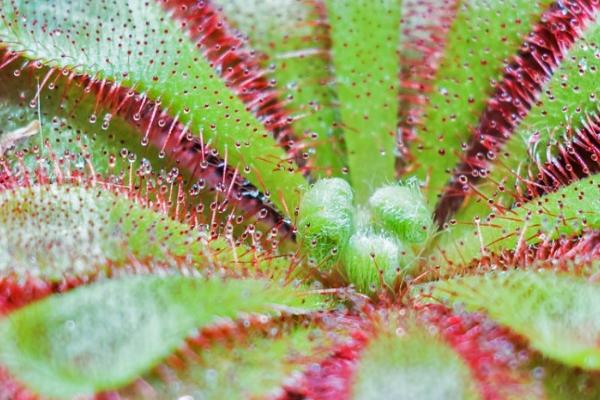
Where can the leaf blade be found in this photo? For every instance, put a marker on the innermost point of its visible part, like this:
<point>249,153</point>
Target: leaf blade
<point>160,63</point>
<point>103,336</point>
<point>482,36</point>
<point>568,211</point>
<point>367,68</point>
<point>556,313</point>
<point>413,365</point>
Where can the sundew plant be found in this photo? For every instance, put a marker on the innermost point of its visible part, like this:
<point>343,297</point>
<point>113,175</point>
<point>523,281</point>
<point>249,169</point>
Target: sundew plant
<point>300,199</point>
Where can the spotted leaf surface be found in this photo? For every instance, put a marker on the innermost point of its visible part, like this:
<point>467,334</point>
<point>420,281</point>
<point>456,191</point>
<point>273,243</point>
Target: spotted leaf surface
<point>411,365</point>
<point>103,336</point>
<point>153,57</point>
<point>555,313</point>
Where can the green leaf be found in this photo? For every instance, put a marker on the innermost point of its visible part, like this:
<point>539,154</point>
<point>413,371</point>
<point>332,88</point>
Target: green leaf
<point>412,364</point>
<point>103,336</point>
<point>50,229</point>
<point>558,314</point>
<point>292,36</point>
<point>483,35</point>
<point>138,46</point>
<point>568,211</point>
<point>366,64</point>
<point>63,113</point>
<point>70,144</point>
<point>569,95</point>
<point>250,369</point>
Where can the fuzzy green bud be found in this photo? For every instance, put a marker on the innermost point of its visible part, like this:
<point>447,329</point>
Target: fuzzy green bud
<point>326,219</point>
<point>371,260</point>
<point>402,210</point>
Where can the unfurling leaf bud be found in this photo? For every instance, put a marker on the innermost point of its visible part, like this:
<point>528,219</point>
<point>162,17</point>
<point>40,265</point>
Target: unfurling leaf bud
<point>401,210</point>
<point>326,219</point>
<point>372,260</point>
